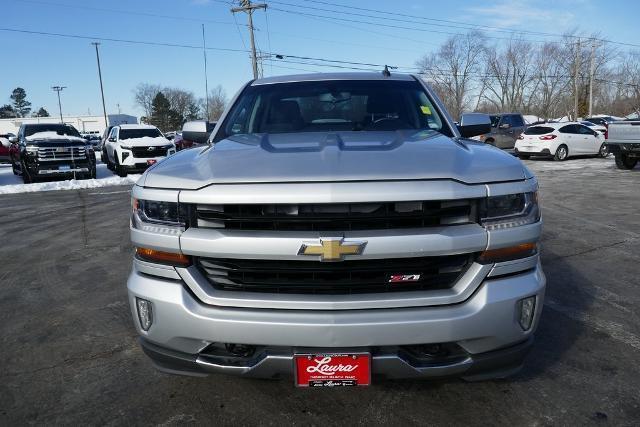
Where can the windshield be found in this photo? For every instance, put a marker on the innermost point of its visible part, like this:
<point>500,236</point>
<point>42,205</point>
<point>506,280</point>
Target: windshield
<point>139,133</point>
<point>332,106</point>
<point>59,129</point>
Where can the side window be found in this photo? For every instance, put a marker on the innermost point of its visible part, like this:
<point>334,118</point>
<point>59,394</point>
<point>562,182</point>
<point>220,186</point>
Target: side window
<point>568,129</point>
<point>584,130</point>
<point>113,133</point>
<point>516,121</point>
<point>506,120</point>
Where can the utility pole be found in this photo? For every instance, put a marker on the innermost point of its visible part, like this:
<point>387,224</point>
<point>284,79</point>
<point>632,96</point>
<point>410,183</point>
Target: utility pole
<point>104,108</point>
<point>206,80</point>
<point>59,89</point>
<point>591,71</point>
<point>575,81</point>
<point>247,7</point>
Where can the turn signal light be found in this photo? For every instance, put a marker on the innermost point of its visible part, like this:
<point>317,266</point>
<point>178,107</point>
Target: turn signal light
<point>508,254</point>
<point>160,257</point>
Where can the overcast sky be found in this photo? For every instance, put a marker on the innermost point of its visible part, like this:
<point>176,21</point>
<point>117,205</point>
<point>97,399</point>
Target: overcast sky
<point>36,61</point>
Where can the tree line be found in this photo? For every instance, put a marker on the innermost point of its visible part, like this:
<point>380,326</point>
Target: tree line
<point>19,106</point>
<point>471,74</point>
<point>169,107</point>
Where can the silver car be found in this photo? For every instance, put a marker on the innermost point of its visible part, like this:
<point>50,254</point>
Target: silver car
<point>505,130</point>
<point>336,228</point>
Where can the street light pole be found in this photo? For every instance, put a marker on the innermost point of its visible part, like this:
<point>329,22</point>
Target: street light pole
<point>58,89</point>
<point>104,108</point>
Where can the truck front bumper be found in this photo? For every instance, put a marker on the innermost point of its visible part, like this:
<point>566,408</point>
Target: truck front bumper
<point>485,327</point>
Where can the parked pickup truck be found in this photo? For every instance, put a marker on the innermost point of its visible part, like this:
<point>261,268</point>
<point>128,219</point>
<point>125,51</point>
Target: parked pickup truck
<point>51,150</point>
<point>623,141</point>
<point>338,227</point>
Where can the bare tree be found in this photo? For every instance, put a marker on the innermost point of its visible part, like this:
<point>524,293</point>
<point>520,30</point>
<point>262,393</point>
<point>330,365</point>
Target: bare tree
<point>217,103</point>
<point>508,75</point>
<point>144,94</point>
<point>182,102</point>
<point>453,70</point>
<point>550,81</point>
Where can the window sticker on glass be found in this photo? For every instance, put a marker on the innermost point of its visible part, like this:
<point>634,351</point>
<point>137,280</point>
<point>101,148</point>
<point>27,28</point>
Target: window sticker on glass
<point>425,110</point>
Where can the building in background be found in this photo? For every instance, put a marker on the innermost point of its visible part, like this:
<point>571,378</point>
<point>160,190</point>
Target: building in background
<point>82,123</point>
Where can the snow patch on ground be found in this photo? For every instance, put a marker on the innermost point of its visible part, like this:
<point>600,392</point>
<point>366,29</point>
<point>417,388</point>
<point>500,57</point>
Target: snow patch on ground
<point>572,164</point>
<point>12,184</point>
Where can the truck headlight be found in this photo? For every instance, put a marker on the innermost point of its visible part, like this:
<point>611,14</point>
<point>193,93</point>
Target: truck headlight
<point>125,147</point>
<point>31,149</point>
<point>510,210</point>
<point>159,217</point>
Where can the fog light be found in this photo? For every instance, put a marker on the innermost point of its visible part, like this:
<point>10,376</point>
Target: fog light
<point>527,309</point>
<point>145,313</point>
<point>124,156</point>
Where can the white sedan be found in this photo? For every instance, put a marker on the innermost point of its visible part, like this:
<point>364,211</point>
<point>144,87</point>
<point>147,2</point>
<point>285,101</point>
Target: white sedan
<point>560,141</point>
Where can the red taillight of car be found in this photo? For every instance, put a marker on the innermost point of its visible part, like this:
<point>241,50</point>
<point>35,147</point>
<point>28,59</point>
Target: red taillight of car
<point>606,132</point>
<point>548,137</point>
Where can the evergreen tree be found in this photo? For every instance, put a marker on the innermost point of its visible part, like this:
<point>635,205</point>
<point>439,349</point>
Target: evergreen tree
<point>21,106</point>
<point>42,112</point>
<point>6,112</point>
<point>162,116</point>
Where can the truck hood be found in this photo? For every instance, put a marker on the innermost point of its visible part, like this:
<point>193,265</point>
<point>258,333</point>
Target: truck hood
<point>342,156</point>
<point>43,138</point>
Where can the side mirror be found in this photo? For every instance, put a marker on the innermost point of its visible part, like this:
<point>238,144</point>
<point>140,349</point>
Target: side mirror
<point>505,126</point>
<point>197,131</point>
<point>13,139</point>
<point>474,124</point>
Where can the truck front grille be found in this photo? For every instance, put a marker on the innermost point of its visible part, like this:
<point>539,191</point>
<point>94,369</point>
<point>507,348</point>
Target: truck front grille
<point>337,216</point>
<point>346,277</point>
<point>145,152</point>
<point>61,153</point>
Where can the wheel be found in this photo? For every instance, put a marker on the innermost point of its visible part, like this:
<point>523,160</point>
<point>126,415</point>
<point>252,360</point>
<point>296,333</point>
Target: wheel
<point>26,176</point>
<point>604,151</point>
<point>93,172</point>
<point>120,171</point>
<point>561,153</point>
<point>14,168</point>
<point>105,159</point>
<point>623,161</point>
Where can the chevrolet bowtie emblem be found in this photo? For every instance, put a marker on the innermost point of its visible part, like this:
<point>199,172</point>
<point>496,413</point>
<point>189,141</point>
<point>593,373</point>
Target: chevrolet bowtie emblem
<point>332,249</point>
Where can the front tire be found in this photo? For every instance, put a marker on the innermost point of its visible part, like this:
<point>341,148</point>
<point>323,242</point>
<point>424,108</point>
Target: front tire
<point>14,168</point>
<point>625,162</point>
<point>561,153</point>
<point>105,159</point>
<point>26,176</point>
<point>120,171</point>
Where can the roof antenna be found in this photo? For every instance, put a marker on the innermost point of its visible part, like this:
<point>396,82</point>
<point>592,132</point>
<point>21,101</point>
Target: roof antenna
<point>386,71</point>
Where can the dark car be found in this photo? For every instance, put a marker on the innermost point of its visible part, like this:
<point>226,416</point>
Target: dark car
<point>505,130</point>
<point>602,120</point>
<point>51,151</point>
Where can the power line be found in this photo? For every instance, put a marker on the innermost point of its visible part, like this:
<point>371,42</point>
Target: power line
<point>126,12</point>
<point>351,7</point>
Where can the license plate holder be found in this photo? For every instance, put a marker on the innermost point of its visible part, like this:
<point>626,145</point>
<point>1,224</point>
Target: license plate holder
<point>332,370</point>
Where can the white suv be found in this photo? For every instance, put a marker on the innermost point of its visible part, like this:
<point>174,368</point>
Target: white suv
<point>133,148</point>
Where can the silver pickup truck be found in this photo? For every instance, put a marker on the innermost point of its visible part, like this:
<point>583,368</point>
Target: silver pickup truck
<point>337,228</point>
<point>623,141</point>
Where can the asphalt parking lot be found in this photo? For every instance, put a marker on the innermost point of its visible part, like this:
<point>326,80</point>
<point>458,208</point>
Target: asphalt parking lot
<point>69,353</point>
